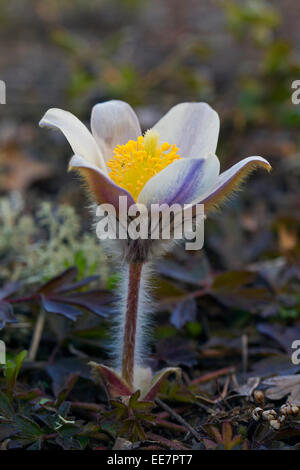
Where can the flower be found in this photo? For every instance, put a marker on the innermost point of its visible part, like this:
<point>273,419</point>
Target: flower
<point>174,162</point>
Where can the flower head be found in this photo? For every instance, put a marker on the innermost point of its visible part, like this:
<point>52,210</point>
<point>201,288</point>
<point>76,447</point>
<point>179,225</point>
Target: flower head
<point>136,162</point>
<point>174,162</point>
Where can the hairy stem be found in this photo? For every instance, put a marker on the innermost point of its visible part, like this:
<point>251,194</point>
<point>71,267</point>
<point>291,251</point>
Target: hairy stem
<point>129,343</point>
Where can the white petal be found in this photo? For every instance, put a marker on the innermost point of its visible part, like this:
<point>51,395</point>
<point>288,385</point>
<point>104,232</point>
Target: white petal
<point>229,181</point>
<point>193,127</point>
<point>114,123</point>
<point>181,182</point>
<point>103,189</point>
<point>79,137</point>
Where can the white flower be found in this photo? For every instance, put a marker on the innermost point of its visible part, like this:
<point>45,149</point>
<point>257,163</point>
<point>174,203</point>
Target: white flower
<point>175,162</point>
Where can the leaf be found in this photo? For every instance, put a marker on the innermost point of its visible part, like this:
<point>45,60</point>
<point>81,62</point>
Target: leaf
<point>67,388</point>
<point>19,359</point>
<point>9,288</point>
<point>226,434</point>
<point>18,170</point>
<point>59,308</point>
<point>131,414</point>
<point>134,398</point>
<point>184,312</point>
<point>56,296</point>
<point>284,336</point>
<point>176,351</point>
<point>77,285</point>
<point>282,386</point>
<point>6,310</point>
<point>6,314</point>
<point>93,301</point>
<point>6,407</point>
<point>6,430</point>
<point>57,283</point>
<point>232,280</point>
<point>279,364</point>
<point>62,368</point>
<point>191,275</point>
<point>224,439</point>
<point>29,430</point>
<point>248,388</point>
<point>12,369</point>
<point>167,292</point>
<point>158,380</point>
<point>232,289</point>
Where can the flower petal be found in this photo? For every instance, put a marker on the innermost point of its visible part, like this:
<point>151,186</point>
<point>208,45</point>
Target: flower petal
<point>230,180</point>
<point>103,189</point>
<point>192,127</point>
<point>79,137</point>
<point>181,182</point>
<point>114,123</point>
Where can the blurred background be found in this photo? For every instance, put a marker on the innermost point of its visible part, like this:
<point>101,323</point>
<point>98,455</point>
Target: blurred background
<point>239,56</point>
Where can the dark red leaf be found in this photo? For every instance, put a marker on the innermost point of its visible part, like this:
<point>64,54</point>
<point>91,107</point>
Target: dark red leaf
<point>58,282</point>
<point>174,352</point>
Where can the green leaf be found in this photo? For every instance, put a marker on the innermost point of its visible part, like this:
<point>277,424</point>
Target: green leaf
<point>29,430</point>
<point>12,369</point>
<point>6,407</point>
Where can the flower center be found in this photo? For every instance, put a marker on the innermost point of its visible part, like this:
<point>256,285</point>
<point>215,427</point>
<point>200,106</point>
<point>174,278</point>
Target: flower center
<point>134,163</point>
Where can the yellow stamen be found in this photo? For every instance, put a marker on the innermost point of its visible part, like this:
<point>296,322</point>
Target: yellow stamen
<point>134,163</point>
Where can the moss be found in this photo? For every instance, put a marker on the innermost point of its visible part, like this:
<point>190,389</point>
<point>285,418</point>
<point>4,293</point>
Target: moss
<point>37,247</point>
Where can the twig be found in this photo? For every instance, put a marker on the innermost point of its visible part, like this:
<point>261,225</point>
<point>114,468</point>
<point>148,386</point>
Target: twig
<point>87,406</point>
<point>178,418</point>
<point>213,375</point>
<point>244,354</point>
<point>37,334</point>
<point>167,443</point>
<point>168,425</point>
<point>55,350</point>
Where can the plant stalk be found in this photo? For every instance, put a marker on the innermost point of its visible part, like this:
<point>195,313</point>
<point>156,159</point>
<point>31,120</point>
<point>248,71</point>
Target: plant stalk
<point>37,334</point>
<point>131,316</point>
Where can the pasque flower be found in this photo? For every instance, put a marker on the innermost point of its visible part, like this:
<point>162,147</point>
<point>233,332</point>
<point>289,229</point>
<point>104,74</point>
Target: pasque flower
<point>175,162</point>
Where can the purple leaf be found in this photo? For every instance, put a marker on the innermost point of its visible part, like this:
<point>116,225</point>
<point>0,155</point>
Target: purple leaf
<point>188,274</point>
<point>58,282</point>
<point>78,285</point>
<point>174,352</point>
<point>184,312</point>
<point>9,288</point>
<point>6,314</point>
<point>284,336</point>
<point>91,300</point>
<point>59,308</point>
